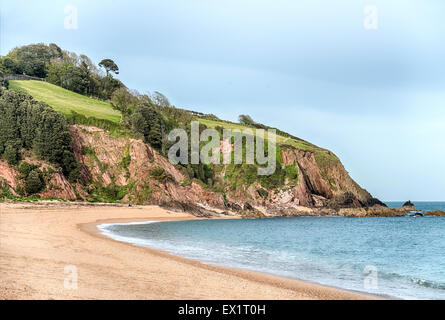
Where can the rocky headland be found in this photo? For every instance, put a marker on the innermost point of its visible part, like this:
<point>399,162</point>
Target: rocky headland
<point>134,169</point>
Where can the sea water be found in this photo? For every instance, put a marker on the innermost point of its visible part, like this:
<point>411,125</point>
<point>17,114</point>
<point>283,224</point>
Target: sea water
<point>401,257</point>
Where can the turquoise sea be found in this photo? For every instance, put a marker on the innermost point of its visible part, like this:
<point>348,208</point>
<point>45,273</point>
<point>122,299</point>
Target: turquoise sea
<point>397,257</point>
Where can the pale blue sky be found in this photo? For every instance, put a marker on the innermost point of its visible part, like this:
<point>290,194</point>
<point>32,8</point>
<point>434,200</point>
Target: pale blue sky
<point>374,97</point>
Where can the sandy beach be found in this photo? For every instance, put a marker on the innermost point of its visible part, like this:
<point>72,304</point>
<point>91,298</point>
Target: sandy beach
<point>41,243</point>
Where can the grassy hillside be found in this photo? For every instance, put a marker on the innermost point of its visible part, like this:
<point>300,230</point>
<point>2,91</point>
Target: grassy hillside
<point>324,157</point>
<point>65,101</point>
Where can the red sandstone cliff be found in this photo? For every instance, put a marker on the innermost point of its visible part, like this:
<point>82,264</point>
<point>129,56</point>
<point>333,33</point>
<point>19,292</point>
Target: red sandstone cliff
<point>129,164</point>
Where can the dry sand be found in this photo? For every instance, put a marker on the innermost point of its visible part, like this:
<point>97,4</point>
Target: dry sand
<point>38,241</point>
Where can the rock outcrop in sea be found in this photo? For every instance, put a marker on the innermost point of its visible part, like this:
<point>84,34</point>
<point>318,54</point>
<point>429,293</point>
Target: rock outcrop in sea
<point>437,213</point>
<point>408,204</point>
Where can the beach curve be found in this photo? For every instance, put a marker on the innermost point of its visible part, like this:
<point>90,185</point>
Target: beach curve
<point>38,243</point>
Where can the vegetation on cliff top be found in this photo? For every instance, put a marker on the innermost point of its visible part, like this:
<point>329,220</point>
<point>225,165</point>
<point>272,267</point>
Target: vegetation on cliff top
<point>63,68</point>
<point>76,88</point>
<point>66,101</point>
<point>323,157</point>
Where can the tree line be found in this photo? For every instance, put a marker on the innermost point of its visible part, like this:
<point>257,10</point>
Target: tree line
<point>63,68</point>
<point>30,125</point>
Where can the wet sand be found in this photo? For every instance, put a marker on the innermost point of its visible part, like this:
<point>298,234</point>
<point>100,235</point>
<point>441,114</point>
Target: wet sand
<point>42,244</point>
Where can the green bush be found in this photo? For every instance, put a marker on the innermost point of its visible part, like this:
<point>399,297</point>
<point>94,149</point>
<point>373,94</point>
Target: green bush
<point>160,175</point>
<point>4,83</point>
<point>77,118</point>
<point>263,193</point>
<point>11,155</point>
<point>149,123</point>
<point>291,172</point>
<point>25,169</point>
<point>34,182</point>
<point>113,192</point>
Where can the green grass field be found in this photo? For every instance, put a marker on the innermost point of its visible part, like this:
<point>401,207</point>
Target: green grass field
<point>324,157</point>
<point>65,101</point>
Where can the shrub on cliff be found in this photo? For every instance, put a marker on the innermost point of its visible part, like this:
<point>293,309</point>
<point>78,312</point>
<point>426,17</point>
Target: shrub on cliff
<point>149,123</point>
<point>11,155</point>
<point>34,182</point>
<point>4,83</point>
<point>161,175</point>
<point>25,169</point>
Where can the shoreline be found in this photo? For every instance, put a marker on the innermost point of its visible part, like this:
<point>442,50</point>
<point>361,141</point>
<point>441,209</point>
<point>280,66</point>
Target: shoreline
<point>38,243</point>
<point>233,270</point>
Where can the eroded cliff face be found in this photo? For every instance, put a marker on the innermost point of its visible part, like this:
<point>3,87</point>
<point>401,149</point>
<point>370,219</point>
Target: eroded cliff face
<point>146,176</point>
<point>58,186</point>
<point>321,184</point>
<point>135,173</point>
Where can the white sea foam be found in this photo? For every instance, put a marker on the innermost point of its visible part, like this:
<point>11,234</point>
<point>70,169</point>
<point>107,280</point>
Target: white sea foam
<point>105,230</point>
<point>313,249</point>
